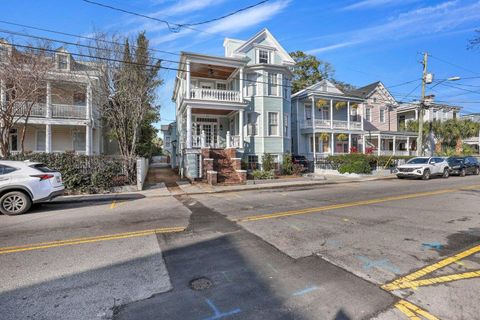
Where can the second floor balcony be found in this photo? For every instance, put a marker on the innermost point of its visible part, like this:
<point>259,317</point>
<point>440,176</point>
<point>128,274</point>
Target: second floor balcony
<point>215,95</point>
<point>327,124</point>
<point>61,111</point>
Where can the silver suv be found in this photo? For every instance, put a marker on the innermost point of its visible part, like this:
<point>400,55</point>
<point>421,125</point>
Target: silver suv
<point>424,168</point>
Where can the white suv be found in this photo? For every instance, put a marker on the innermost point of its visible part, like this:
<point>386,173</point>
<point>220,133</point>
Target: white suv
<point>423,167</point>
<point>24,183</point>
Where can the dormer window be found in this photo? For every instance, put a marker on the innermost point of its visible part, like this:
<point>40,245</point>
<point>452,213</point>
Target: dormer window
<point>263,56</point>
<point>62,62</point>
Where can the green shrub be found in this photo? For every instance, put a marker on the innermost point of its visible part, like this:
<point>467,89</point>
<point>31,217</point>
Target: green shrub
<point>263,175</point>
<point>80,173</point>
<point>346,160</point>
<point>267,162</point>
<point>357,166</point>
<point>287,164</point>
<point>297,169</point>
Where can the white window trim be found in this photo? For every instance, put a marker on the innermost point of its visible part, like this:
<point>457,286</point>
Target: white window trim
<point>268,124</point>
<point>368,114</point>
<point>384,115</point>
<point>269,55</point>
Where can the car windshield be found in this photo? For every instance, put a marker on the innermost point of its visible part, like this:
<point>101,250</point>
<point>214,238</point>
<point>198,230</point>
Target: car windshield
<point>418,161</point>
<point>455,161</point>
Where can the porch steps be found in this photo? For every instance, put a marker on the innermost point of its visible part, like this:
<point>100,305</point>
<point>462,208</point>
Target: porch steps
<point>222,163</point>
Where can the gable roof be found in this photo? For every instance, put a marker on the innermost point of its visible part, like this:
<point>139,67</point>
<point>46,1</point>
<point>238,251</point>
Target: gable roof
<point>325,88</point>
<point>265,34</point>
<point>365,91</point>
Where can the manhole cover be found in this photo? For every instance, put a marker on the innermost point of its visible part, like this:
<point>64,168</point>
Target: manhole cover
<point>200,284</point>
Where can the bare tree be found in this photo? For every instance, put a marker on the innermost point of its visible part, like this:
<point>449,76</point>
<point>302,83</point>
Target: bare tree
<point>474,43</point>
<point>126,88</point>
<point>23,74</point>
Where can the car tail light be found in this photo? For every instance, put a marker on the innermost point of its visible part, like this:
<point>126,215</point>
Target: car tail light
<point>43,176</point>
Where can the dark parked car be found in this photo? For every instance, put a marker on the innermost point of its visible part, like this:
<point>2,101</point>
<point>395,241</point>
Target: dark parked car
<point>301,160</point>
<point>464,165</point>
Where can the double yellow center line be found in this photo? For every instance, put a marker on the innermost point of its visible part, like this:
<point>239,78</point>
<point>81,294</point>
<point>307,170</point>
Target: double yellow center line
<point>69,242</point>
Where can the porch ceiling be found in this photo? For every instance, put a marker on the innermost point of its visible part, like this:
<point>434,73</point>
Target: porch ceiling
<point>210,71</point>
<point>218,112</point>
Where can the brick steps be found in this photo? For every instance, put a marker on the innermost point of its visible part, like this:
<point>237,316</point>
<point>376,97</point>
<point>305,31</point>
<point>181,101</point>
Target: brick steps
<point>226,173</point>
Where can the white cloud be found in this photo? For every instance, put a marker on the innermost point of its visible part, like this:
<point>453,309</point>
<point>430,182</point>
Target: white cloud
<point>186,6</point>
<point>444,17</point>
<point>365,4</point>
<point>248,18</point>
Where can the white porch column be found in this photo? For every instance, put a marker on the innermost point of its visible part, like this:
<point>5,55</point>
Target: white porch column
<point>89,102</point>
<point>228,139</point>
<point>331,114</point>
<point>313,131</point>
<point>49,100</point>
<point>48,138</point>
<point>187,70</point>
<point>379,149</point>
<point>349,143</point>
<point>362,118</point>
<point>241,83</point>
<point>348,115</point>
<point>241,114</point>
<point>332,143</point>
<point>394,146</point>
<point>189,127</point>
<point>416,114</point>
<point>203,139</point>
<point>364,145</point>
<point>88,139</point>
<point>408,145</point>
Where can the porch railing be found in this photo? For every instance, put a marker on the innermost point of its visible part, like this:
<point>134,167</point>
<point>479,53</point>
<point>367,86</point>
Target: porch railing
<point>201,141</point>
<point>69,111</point>
<point>215,95</point>
<point>337,124</point>
<point>37,110</point>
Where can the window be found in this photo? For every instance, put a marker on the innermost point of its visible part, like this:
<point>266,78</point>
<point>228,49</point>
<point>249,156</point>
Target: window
<point>167,142</point>
<point>285,124</point>
<point>13,140</point>
<point>317,144</point>
<point>79,99</point>
<point>41,140</point>
<point>382,115</point>
<point>251,124</point>
<point>251,84</point>
<point>263,56</point>
<point>273,84</point>
<point>62,62</point>
<point>308,112</point>
<point>79,143</point>
<point>252,162</point>
<point>368,114</point>
<point>6,169</point>
<point>273,124</point>
<point>221,86</point>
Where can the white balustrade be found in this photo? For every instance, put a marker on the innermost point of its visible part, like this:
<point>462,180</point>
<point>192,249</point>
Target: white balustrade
<point>69,111</point>
<point>37,110</point>
<point>215,95</point>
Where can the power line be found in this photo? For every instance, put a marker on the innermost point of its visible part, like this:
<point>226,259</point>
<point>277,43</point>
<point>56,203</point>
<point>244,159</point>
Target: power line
<point>453,64</point>
<point>79,36</point>
<point>458,88</point>
<point>173,27</point>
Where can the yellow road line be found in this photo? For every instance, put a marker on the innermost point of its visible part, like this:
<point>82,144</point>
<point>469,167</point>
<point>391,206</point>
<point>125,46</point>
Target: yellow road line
<point>431,268</point>
<point>407,312</point>
<point>350,204</point>
<point>53,244</point>
<point>415,310</point>
<point>112,206</point>
<point>432,281</point>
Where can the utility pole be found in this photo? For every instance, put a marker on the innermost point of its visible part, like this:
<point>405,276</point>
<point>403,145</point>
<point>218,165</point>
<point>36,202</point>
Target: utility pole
<point>421,106</point>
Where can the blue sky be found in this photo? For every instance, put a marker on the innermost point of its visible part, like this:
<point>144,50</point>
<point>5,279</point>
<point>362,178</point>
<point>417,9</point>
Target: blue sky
<point>365,40</point>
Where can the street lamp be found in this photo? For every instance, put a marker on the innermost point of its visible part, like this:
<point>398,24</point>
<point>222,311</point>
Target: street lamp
<point>448,79</point>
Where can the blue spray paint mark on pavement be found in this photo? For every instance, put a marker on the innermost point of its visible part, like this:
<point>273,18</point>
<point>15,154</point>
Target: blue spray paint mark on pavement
<point>306,290</point>
<point>382,264</point>
<point>432,245</point>
<point>216,312</point>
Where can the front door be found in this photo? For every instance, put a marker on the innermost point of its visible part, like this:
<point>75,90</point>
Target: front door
<point>211,133</point>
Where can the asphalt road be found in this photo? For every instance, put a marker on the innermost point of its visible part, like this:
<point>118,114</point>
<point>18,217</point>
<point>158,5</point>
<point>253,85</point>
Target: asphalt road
<point>350,251</point>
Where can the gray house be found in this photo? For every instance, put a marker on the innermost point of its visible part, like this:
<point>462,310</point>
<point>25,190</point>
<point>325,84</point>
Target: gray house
<point>232,108</point>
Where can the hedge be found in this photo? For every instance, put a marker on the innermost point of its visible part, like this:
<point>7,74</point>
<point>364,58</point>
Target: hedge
<point>357,162</point>
<point>80,173</point>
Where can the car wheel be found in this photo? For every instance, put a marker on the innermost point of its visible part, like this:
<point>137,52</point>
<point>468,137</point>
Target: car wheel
<point>446,173</point>
<point>15,202</point>
<point>426,174</point>
<point>463,173</point>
